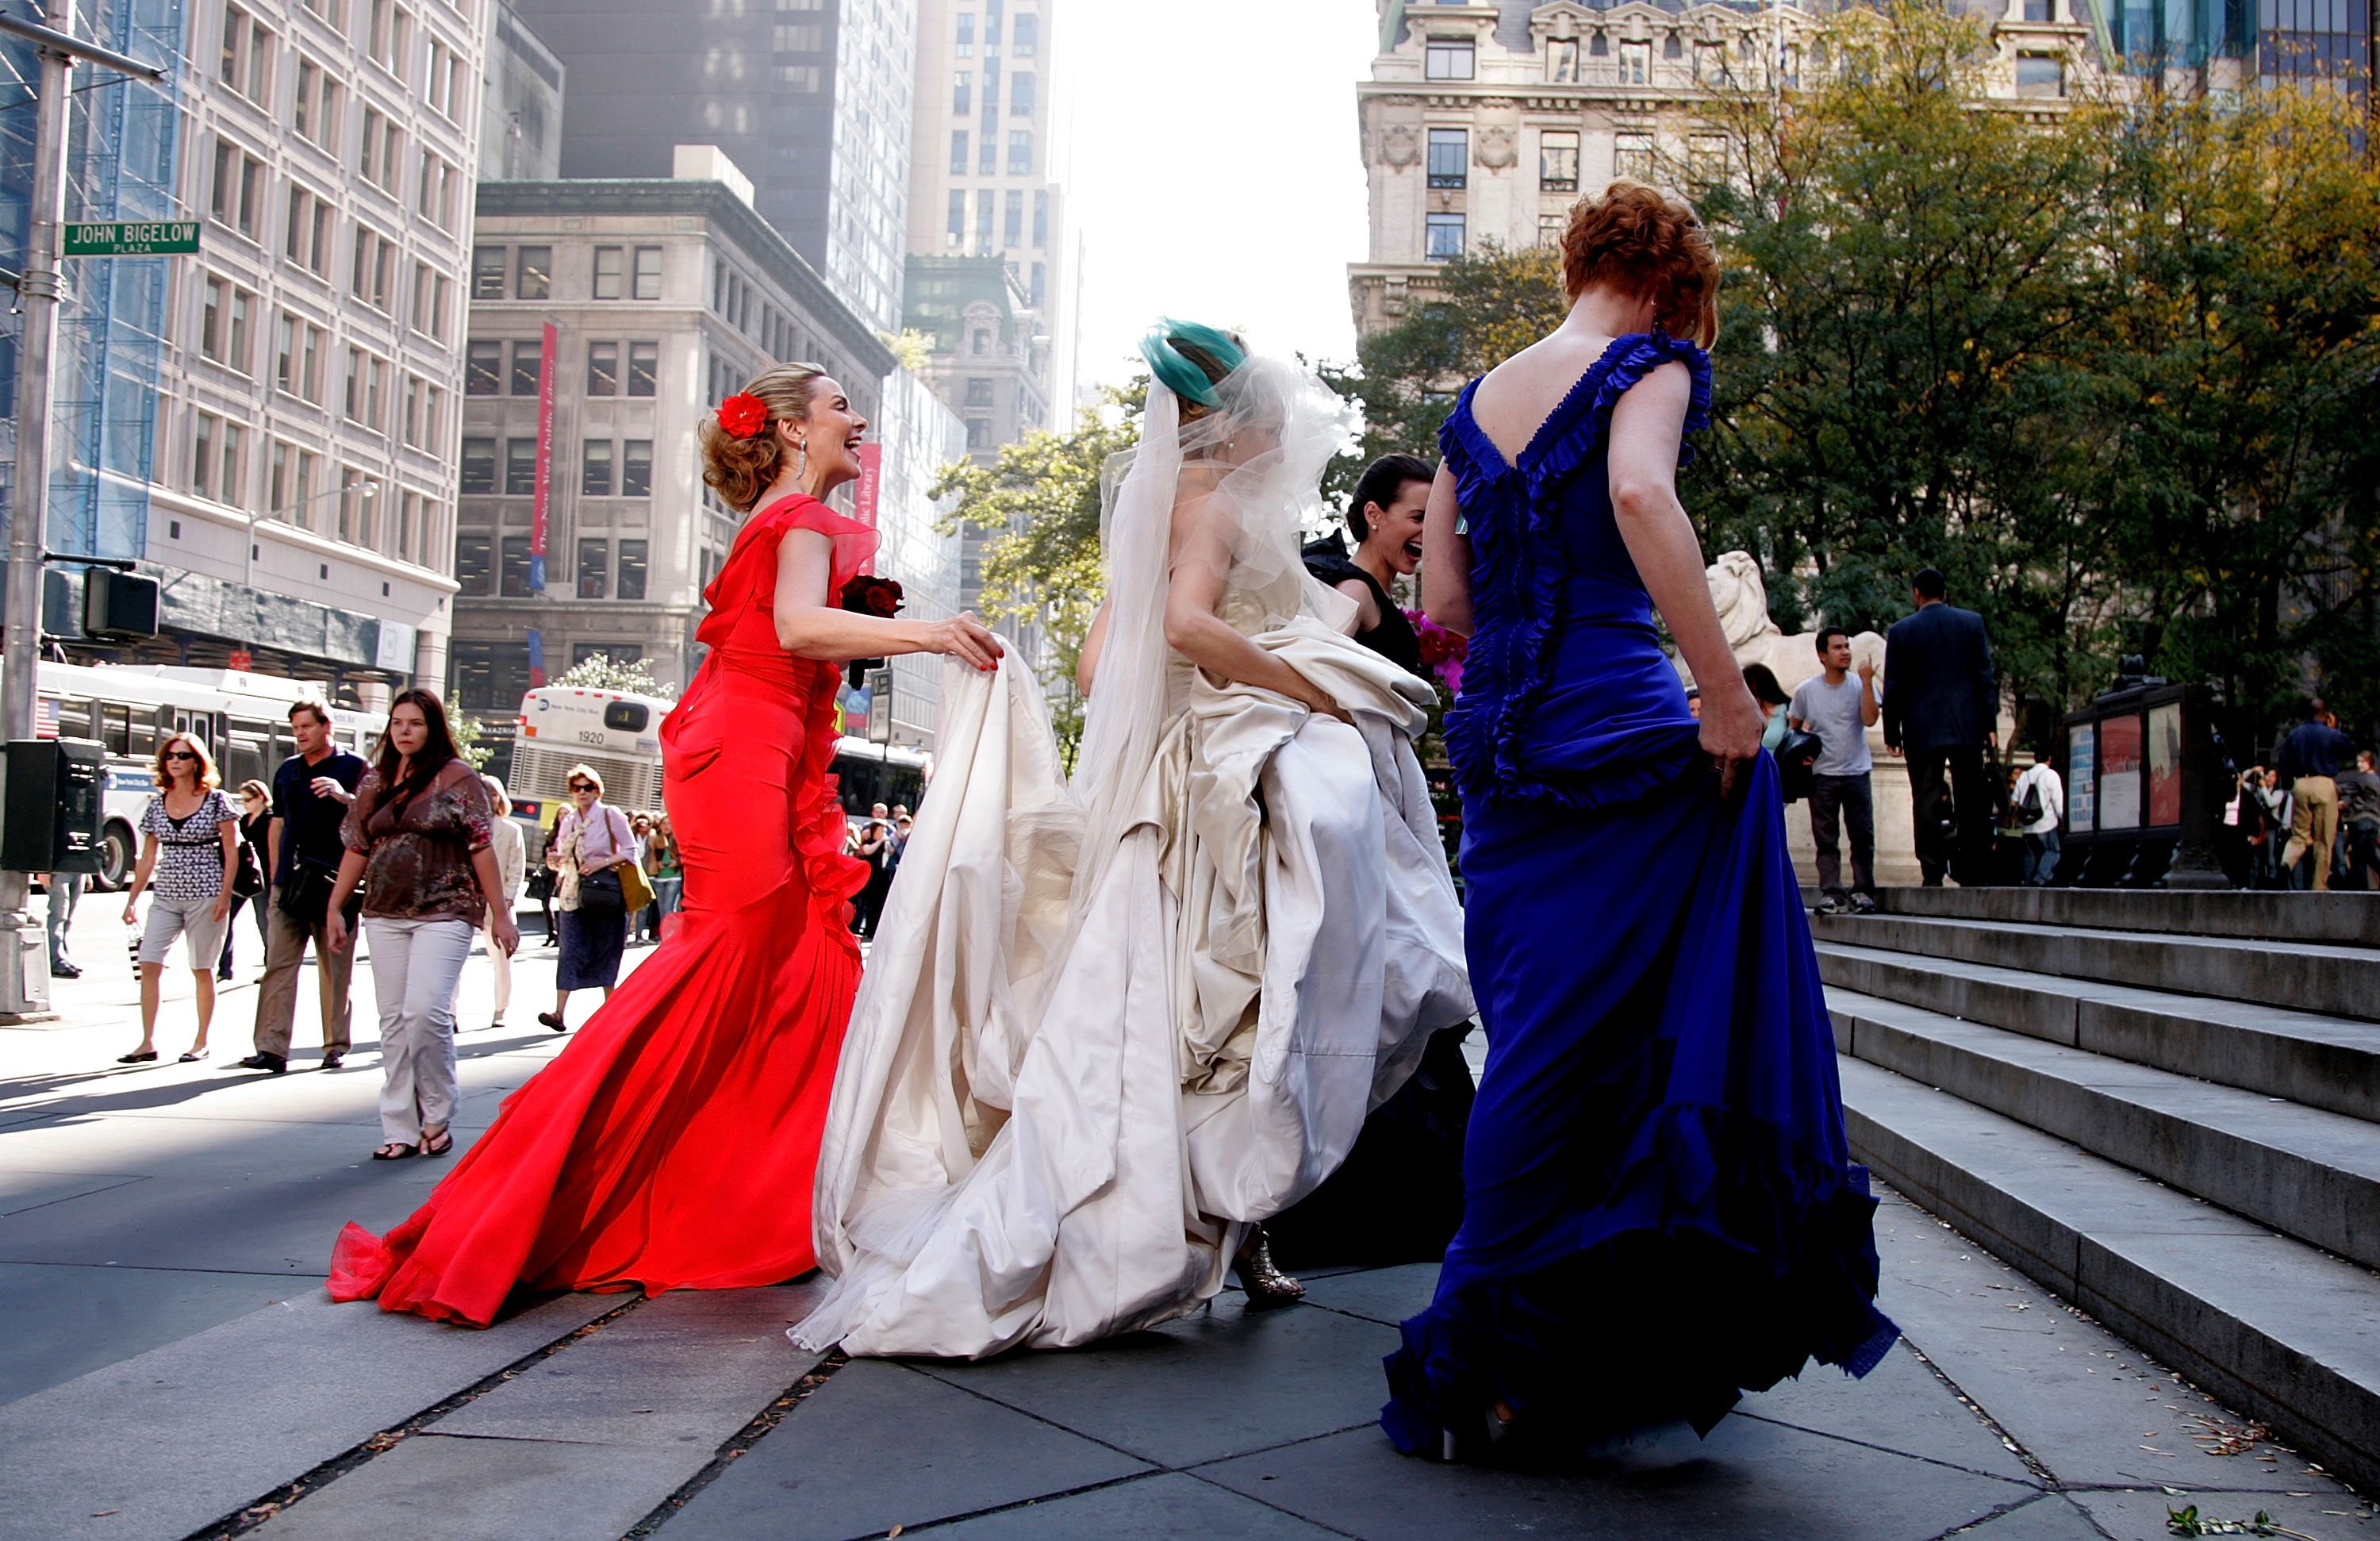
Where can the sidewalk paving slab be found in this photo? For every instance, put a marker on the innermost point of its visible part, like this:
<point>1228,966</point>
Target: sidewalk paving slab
<point>1159,1507</point>
<point>881,1445</point>
<point>449,1488</point>
<point>248,1406</point>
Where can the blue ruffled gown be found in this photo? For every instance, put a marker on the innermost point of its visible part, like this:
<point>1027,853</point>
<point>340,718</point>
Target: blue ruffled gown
<point>1660,1209</point>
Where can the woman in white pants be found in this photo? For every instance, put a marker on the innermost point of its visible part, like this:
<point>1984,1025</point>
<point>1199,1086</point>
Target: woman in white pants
<point>418,837</point>
<point>512,871</point>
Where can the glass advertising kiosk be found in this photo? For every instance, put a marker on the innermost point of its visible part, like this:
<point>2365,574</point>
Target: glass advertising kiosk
<point>2144,785</point>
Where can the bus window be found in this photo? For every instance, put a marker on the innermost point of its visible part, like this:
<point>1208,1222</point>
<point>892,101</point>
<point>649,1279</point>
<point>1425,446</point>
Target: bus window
<point>626,716</point>
<point>74,720</point>
<point>140,743</point>
<point>116,731</point>
<point>245,752</point>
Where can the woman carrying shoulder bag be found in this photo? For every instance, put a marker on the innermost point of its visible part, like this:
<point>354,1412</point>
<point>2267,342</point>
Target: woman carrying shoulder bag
<point>591,851</point>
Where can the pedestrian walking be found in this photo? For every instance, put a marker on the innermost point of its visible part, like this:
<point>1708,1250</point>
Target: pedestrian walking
<point>1939,712</point>
<point>669,870</point>
<point>512,871</point>
<point>1840,708</point>
<point>875,839</point>
<point>248,882</point>
<point>2359,822</point>
<point>592,841</point>
<point>63,891</point>
<point>420,838</point>
<point>2039,799</point>
<point>648,926</point>
<point>312,790</point>
<point>190,845</point>
<point>2310,758</point>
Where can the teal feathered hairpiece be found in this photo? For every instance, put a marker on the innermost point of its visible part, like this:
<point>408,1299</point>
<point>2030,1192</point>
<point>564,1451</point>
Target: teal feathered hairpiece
<point>1176,372</point>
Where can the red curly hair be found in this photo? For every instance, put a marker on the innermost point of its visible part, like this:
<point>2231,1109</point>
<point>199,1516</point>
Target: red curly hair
<point>1635,236</point>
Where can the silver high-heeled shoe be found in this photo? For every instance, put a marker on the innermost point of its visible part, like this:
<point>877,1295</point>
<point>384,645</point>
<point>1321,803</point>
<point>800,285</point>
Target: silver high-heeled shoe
<point>1265,1285</point>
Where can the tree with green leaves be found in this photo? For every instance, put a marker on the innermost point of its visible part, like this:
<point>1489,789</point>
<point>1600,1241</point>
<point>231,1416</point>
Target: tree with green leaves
<point>1042,497</point>
<point>602,672</point>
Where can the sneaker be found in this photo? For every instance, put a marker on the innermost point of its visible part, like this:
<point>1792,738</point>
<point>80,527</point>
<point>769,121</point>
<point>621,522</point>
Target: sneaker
<point>333,1059</point>
<point>1830,905</point>
<point>1862,905</point>
<point>275,1065</point>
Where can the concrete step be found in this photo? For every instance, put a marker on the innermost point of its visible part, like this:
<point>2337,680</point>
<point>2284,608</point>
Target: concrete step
<point>2325,979</point>
<point>2306,1173</point>
<point>2274,1327</point>
<point>2318,1060</point>
<point>2350,919</point>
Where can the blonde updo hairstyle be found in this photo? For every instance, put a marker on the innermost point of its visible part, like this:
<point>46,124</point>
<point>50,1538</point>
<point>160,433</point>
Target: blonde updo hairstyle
<point>741,470</point>
<point>1638,237</point>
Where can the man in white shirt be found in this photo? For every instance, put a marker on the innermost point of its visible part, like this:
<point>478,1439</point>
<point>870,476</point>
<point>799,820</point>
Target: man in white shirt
<point>1839,709</point>
<point>2039,798</point>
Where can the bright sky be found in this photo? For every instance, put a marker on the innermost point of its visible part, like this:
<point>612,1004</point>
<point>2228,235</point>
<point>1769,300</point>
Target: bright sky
<point>1214,171</point>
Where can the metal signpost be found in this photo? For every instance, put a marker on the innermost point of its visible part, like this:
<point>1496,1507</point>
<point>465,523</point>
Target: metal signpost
<point>24,971</point>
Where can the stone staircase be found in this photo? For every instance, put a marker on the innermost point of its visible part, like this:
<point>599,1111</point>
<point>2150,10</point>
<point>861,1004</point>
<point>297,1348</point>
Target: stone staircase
<point>2166,1106</point>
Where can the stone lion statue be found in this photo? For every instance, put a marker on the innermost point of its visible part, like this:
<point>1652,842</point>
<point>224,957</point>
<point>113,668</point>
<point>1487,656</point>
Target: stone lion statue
<point>1742,600</point>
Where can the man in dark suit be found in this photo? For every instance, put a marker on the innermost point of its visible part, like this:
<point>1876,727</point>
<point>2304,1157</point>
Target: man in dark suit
<point>1940,712</point>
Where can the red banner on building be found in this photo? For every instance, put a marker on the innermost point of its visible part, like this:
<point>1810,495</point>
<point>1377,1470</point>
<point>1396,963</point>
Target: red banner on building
<point>871,479</point>
<point>537,523</point>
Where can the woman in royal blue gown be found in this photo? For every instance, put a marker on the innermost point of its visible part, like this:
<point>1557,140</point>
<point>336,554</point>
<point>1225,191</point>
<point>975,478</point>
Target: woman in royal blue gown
<point>1660,1207</point>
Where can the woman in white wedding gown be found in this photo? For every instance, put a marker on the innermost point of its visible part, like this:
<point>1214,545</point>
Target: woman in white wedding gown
<point>1109,1027</point>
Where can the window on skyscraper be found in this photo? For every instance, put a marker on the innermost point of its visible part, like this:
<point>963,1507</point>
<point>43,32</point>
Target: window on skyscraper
<point>1449,157</point>
<point>958,152</point>
<point>603,369</point>
<point>488,272</point>
<point>958,215</point>
<point>528,363</point>
<point>978,392</point>
<point>2040,75</point>
<point>533,273</point>
<point>611,266</point>
<point>594,568</point>
<point>517,568</point>
<point>520,467</point>
<point>648,272</point>
<point>475,563</point>
<point>2040,10</point>
<point>1025,36</point>
<point>1013,227</point>
<point>988,159</point>
<point>634,562</point>
<point>644,368</point>
<point>967,34</point>
<point>595,469</point>
<point>1020,94</point>
<point>1447,59</point>
<point>1445,238</point>
<point>990,26</point>
<point>962,92</point>
<point>1561,61</point>
<point>1558,161</point>
<point>1020,151</point>
<point>636,468</point>
<point>983,216</point>
<point>479,466</point>
<point>1040,217</point>
<point>483,369</point>
<point>1040,277</point>
<point>1636,63</point>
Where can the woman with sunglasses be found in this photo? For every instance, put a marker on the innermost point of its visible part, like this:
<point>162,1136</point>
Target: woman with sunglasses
<point>189,844</point>
<point>590,844</point>
<point>672,1144</point>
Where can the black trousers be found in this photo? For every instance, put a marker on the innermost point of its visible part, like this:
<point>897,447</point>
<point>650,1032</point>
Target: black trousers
<point>1959,772</point>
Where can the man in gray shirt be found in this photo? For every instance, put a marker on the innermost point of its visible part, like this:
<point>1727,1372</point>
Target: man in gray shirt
<point>1840,708</point>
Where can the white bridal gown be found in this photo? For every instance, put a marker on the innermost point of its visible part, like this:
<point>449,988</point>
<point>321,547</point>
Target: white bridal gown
<point>1064,1095</point>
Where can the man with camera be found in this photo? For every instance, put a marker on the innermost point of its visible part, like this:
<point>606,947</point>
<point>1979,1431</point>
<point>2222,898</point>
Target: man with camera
<point>310,794</point>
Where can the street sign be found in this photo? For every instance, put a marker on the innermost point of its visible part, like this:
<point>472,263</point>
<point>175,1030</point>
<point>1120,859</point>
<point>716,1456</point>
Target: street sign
<point>133,238</point>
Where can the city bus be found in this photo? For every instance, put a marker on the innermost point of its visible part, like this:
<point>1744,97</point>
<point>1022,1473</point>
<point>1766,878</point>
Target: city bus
<point>616,733</point>
<point>242,718</point>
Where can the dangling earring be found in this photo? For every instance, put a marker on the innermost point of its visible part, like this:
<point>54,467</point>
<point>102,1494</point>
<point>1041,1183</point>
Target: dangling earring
<point>802,460</point>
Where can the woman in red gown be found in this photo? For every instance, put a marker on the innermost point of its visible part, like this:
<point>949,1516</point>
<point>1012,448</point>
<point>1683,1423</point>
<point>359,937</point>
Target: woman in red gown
<point>671,1145</point>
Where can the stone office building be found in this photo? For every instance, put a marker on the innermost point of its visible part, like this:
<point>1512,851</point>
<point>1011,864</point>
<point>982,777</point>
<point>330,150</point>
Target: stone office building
<point>1483,122</point>
<point>638,305</point>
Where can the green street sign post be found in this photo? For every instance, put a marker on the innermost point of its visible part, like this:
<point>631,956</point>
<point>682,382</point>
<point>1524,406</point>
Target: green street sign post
<point>133,238</point>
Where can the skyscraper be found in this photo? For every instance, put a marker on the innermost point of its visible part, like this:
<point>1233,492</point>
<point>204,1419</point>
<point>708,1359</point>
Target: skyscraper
<point>810,97</point>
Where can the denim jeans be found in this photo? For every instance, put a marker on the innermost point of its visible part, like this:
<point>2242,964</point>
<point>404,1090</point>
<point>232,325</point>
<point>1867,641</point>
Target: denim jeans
<point>66,890</point>
<point>416,965</point>
<point>2040,856</point>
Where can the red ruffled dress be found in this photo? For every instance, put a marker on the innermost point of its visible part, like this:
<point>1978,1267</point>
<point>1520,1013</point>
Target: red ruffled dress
<point>672,1144</point>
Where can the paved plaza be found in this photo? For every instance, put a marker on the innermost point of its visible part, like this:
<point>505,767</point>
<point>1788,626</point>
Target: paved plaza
<point>172,1369</point>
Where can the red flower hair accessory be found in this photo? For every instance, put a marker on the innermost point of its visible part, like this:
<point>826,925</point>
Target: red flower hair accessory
<point>744,415</point>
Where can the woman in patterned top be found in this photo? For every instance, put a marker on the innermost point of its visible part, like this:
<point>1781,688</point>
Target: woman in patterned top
<point>419,839</point>
<point>191,845</point>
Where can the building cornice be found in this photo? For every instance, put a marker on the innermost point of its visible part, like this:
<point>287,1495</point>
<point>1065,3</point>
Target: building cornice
<point>668,196</point>
<point>265,528</point>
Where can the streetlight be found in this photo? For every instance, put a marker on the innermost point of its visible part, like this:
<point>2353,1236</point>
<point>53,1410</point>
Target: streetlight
<point>24,972</point>
<point>367,488</point>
